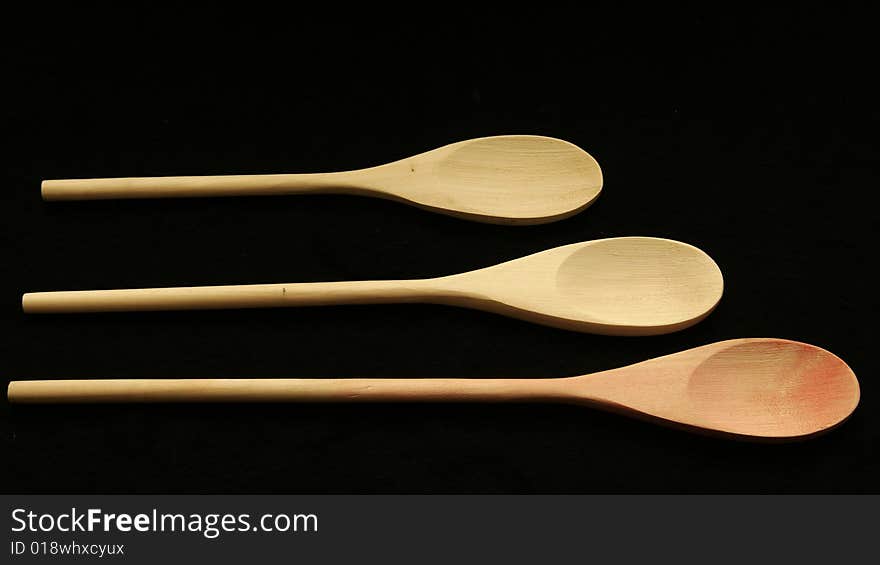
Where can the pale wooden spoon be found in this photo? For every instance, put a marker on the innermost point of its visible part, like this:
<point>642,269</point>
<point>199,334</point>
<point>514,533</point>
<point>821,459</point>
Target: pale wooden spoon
<point>617,286</point>
<point>512,179</point>
<point>756,389</point>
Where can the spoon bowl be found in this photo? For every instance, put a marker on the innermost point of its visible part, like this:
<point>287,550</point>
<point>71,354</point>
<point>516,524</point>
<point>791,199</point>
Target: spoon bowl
<point>758,388</point>
<point>617,286</point>
<point>509,179</point>
<point>517,179</point>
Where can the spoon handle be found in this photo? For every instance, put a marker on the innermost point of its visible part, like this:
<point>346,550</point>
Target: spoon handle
<point>232,296</point>
<point>285,390</point>
<point>188,187</point>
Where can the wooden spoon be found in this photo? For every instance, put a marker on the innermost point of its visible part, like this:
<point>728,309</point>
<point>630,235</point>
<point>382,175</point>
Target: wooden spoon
<point>512,179</point>
<point>618,286</point>
<point>756,389</point>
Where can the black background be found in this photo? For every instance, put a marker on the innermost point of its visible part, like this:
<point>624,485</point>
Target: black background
<point>750,136</point>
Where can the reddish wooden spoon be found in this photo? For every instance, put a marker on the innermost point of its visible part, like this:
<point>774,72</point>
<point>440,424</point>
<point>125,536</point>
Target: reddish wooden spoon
<point>755,389</point>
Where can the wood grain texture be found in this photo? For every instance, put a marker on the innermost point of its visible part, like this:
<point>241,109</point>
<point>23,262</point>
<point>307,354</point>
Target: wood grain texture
<point>617,286</point>
<point>757,389</point>
<point>512,179</point>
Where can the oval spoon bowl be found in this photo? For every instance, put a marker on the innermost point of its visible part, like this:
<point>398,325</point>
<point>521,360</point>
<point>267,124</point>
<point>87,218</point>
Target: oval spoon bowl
<point>759,389</point>
<point>616,286</point>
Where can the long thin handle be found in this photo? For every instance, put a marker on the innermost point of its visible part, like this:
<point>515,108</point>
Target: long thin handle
<point>233,296</point>
<point>188,187</point>
<point>286,390</point>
